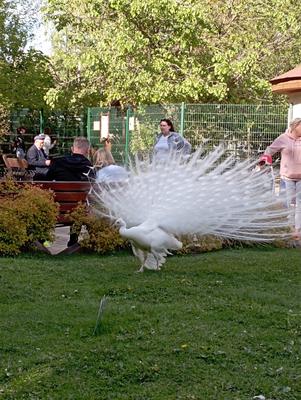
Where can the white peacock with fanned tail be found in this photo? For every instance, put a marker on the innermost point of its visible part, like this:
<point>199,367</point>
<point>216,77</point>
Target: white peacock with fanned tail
<point>207,194</point>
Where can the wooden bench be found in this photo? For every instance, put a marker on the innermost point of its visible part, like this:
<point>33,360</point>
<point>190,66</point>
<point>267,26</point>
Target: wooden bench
<point>16,167</point>
<point>67,194</point>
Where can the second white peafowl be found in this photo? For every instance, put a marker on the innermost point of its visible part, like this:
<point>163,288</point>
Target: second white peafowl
<point>160,202</point>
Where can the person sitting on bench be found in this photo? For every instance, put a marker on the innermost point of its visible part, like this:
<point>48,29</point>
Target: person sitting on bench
<point>74,167</point>
<point>37,159</point>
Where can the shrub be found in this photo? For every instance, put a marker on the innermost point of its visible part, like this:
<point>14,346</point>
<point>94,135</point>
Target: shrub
<point>13,234</point>
<point>27,214</point>
<point>38,211</point>
<point>200,243</point>
<point>4,121</point>
<point>101,236</point>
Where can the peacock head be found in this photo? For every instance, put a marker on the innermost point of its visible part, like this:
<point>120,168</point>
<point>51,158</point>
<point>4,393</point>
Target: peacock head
<point>119,223</point>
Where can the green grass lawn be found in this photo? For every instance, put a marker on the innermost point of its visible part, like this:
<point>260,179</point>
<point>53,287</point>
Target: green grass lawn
<point>221,325</point>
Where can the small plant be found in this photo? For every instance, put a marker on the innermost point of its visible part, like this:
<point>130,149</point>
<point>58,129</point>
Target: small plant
<point>101,309</point>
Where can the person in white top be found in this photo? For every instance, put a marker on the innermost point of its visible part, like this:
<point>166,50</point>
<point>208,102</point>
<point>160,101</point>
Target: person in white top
<point>48,145</point>
<point>170,141</point>
<point>106,169</point>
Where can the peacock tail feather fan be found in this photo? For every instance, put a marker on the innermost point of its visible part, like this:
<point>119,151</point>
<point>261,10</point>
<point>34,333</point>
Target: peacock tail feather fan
<point>207,194</point>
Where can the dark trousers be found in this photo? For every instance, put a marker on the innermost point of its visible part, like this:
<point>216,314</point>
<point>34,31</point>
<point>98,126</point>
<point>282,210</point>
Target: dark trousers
<point>73,237</point>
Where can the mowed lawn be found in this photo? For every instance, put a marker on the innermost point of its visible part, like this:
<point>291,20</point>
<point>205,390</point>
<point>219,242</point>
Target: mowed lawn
<point>221,325</point>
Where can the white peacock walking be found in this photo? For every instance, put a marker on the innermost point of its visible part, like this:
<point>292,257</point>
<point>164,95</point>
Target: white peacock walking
<point>160,202</point>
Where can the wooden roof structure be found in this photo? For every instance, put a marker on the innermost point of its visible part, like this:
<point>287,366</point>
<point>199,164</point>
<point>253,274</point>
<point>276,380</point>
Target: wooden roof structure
<point>289,82</point>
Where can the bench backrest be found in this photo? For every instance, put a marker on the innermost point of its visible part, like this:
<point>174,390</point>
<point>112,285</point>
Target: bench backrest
<point>16,167</point>
<point>67,194</point>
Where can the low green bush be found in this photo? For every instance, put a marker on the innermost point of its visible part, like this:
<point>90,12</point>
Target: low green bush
<point>100,235</point>
<point>12,232</point>
<point>193,244</point>
<point>27,214</point>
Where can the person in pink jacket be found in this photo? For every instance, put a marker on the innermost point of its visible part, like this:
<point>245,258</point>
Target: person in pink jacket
<point>289,145</point>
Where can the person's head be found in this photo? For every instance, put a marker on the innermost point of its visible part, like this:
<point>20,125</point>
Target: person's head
<point>47,131</point>
<point>103,158</point>
<point>39,140</point>
<point>81,145</point>
<point>166,126</point>
<point>21,130</point>
<point>295,127</point>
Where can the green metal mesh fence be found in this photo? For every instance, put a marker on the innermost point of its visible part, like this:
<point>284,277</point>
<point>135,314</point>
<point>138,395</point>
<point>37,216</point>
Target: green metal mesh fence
<point>30,119</point>
<point>245,130</point>
<point>63,127</point>
<point>104,121</point>
<point>144,124</point>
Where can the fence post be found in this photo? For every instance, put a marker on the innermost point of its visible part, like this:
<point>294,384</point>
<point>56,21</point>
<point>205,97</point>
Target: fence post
<point>41,120</point>
<point>289,114</point>
<point>182,118</point>
<point>127,134</point>
<point>89,124</point>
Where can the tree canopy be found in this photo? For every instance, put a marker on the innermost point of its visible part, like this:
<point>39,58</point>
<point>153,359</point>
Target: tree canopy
<point>155,51</point>
<point>24,73</point>
<point>165,51</point>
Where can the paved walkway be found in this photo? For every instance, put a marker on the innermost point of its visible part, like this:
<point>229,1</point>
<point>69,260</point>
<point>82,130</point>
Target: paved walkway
<point>62,235</point>
<point>61,240</point>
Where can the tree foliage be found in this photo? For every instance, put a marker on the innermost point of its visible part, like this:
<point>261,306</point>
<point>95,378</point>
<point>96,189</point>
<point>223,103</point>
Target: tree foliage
<point>24,73</point>
<point>157,51</point>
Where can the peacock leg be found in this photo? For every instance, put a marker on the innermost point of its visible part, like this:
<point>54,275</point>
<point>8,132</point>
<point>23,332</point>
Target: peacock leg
<point>141,269</point>
<point>157,261</point>
<point>143,262</point>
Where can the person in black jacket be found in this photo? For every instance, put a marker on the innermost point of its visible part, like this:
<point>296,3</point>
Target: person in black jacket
<point>74,167</point>
<point>19,143</point>
<point>37,159</point>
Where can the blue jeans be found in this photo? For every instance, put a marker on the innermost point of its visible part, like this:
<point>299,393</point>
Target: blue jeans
<point>293,200</point>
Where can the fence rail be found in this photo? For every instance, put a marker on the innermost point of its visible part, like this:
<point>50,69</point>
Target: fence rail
<point>245,130</point>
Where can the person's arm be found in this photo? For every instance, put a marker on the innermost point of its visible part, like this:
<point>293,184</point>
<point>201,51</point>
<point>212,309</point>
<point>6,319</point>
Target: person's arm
<point>33,158</point>
<point>52,145</point>
<point>109,157</point>
<point>50,176</point>
<point>107,145</point>
<point>186,148</point>
<point>179,141</point>
<point>16,143</point>
<point>275,147</point>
